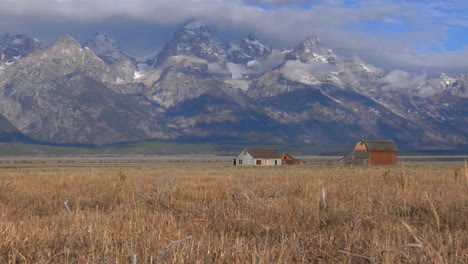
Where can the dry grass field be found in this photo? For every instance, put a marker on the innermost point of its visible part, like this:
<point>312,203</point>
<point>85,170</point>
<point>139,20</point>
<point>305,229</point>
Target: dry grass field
<point>216,213</point>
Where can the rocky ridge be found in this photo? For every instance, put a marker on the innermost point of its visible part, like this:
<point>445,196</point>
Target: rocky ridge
<point>106,48</point>
<point>246,50</point>
<point>16,46</point>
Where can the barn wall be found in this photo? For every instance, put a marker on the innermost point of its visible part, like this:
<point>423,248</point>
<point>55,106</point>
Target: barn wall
<point>287,160</point>
<point>382,158</point>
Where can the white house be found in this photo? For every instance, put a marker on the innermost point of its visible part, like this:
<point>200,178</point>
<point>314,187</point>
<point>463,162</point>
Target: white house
<point>258,157</point>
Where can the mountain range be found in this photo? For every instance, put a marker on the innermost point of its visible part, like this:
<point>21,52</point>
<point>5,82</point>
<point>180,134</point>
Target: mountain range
<point>199,89</point>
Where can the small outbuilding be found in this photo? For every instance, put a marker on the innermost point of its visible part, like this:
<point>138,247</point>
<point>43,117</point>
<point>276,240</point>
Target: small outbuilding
<point>373,152</point>
<point>258,157</point>
<point>287,159</point>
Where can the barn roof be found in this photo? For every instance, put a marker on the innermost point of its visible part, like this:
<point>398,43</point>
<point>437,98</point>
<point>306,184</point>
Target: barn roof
<point>380,145</point>
<point>263,153</point>
<point>284,153</point>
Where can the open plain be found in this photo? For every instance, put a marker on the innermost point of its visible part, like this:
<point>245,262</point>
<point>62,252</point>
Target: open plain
<point>201,212</point>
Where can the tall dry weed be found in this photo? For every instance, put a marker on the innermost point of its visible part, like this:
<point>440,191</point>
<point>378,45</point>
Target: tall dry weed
<point>211,213</point>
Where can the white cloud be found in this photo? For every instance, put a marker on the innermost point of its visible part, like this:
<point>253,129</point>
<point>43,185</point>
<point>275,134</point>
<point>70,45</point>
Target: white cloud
<point>256,67</point>
<point>310,73</point>
<point>217,68</point>
<point>401,80</point>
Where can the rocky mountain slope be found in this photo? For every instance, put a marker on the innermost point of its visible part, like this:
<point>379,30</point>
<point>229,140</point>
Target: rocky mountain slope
<point>66,94</point>
<point>246,50</point>
<point>193,39</point>
<point>106,48</point>
<point>16,46</point>
<point>198,89</point>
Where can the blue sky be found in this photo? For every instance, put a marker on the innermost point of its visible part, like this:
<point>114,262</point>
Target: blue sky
<point>424,36</point>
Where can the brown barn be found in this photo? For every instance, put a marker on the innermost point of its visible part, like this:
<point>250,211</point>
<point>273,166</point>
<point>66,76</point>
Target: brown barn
<point>287,159</point>
<point>373,152</point>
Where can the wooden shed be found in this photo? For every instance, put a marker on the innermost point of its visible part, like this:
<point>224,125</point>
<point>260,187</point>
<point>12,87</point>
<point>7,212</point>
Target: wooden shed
<point>258,157</point>
<point>373,152</point>
<point>287,159</point>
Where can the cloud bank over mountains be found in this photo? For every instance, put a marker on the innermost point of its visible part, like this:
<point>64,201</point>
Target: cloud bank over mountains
<point>420,36</point>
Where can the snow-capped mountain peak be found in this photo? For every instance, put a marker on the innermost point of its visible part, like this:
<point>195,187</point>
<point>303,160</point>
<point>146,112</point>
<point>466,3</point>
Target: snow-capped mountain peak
<point>106,47</point>
<point>312,41</point>
<point>312,44</point>
<point>247,49</point>
<point>194,25</point>
<point>193,39</point>
<point>311,49</point>
<point>446,79</point>
<point>102,41</point>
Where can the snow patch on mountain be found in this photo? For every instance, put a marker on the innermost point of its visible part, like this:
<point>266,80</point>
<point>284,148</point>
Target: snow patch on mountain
<point>247,49</point>
<point>365,67</point>
<point>138,75</point>
<point>330,97</point>
<point>252,63</point>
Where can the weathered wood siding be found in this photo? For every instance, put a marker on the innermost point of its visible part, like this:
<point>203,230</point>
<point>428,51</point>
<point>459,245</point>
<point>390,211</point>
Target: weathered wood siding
<point>382,158</point>
<point>286,159</point>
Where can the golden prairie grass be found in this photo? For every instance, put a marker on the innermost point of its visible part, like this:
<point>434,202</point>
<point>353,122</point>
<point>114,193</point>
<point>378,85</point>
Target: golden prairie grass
<point>214,213</point>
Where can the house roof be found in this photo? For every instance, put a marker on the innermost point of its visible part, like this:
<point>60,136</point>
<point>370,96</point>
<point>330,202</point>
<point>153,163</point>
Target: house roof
<point>263,153</point>
<point>380,145</point>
